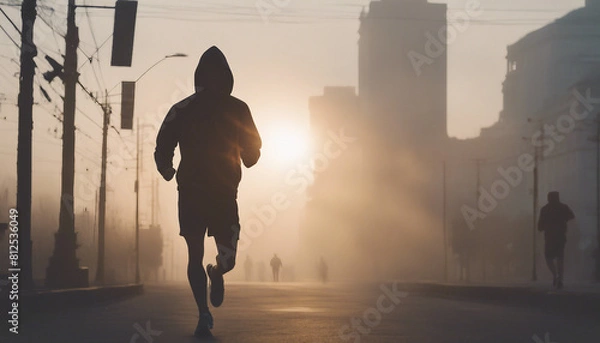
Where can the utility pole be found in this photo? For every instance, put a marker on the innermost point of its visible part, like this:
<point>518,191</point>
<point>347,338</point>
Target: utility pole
<point>478,163</point>
<point>25,102</point>
<point>63,270</point>
<point>444,226</point>
<point>537,160</point>
<point>154,186</point>
<point>137,204</point>
<point>598,196</point>
<point>102,198</point>
<point>95,216</point>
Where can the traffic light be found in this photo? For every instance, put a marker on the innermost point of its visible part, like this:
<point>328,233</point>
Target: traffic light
<point>123,33</point>
<point>127,104</point>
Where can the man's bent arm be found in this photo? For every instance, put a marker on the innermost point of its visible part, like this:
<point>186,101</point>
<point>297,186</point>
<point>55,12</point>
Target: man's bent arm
<point>250,142</point>
<point>166,141</point>
<point>570,214</point>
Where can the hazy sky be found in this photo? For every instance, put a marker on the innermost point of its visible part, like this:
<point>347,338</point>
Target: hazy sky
<point>282,58</point>
<point>279,60</point>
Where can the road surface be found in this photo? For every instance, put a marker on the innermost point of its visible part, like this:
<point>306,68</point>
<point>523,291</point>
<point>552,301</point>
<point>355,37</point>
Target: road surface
<point>304,313</point>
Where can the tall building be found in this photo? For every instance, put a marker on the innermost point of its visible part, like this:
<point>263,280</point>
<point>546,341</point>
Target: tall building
<point>403,72</point>
<point>403,98</point>
<point>331,224</point>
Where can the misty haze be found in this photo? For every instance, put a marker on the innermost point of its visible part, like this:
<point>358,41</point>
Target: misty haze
<point>300,171</point>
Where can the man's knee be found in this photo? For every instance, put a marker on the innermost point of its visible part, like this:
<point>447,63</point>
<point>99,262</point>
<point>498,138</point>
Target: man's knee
<point>226,257</point>
<point>226,262</point>
<point>227,250</point>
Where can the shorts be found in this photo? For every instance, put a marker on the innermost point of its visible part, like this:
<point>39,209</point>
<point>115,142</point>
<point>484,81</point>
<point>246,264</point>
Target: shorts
<point>555,249</point>
<point>199,212</point>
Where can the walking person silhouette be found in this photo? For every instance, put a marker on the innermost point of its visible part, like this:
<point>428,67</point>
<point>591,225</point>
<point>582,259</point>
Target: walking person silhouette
<point>275,266</point>
<point>215,133</point>
<point>553,222</point>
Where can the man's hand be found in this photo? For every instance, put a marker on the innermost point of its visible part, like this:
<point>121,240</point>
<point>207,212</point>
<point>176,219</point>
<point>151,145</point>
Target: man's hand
<point>168,174</point>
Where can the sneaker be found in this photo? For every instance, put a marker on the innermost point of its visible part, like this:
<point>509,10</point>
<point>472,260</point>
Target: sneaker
<point>217,286</point>
<point>559,284</point>
<point>205,323</point>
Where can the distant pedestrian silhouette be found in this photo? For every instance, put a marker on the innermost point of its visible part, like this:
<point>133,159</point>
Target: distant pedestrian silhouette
<point>215,133</point>
<point>323,270</point>
<point>248,268</point>
<point>553,222</point>
<point>276,266</point>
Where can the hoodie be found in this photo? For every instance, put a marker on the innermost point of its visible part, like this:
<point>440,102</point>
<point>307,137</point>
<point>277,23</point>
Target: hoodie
<point>214,130</point>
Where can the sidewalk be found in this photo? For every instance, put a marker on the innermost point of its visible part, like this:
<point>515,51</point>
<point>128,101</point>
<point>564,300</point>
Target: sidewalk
<point>573,299</point>
<point>77,297</point>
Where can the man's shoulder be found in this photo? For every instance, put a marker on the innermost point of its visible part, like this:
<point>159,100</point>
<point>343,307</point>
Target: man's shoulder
<point>197,99</point>
<point>566,208</point>
<point>184,103</point>
<point>238,103</point>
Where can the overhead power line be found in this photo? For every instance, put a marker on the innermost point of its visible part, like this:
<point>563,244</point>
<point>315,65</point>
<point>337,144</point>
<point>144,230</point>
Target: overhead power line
<point>219,12</point>
<point>9,37</point>
<point>10,20</point>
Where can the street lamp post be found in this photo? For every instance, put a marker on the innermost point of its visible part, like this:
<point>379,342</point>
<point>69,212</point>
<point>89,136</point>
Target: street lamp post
<point>137,171</point>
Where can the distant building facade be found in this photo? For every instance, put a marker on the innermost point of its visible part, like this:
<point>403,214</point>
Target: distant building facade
<point>379,203</point>
<point>550,109</point>
<point>404,111</point>
<point>553,78</point>
<point>401,99</point>
<point>332,218</point>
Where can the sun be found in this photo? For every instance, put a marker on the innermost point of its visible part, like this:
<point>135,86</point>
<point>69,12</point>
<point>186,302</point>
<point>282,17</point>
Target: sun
<point>284,144</point>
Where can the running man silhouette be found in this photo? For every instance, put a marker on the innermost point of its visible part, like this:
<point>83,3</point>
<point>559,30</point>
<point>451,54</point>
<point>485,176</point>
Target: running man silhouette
<point>276,265</point>
<point>215,133</point>
<point>553,221</point>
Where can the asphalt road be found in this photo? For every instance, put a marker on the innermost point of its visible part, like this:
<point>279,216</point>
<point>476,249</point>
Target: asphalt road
<point>304,313</point>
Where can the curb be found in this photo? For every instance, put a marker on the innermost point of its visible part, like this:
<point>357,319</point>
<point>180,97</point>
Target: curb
<point>571,302</point>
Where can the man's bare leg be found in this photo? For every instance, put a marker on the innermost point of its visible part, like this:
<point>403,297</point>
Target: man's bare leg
<point>197,279</point>
<point>227,251</point>
<point>552,267</point>
<point>560,261</point>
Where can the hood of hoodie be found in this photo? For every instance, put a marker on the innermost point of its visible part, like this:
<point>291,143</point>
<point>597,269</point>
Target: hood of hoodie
<point>213,72</point>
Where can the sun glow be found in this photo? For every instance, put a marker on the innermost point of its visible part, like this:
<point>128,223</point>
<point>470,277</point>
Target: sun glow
<point>284,144</point>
